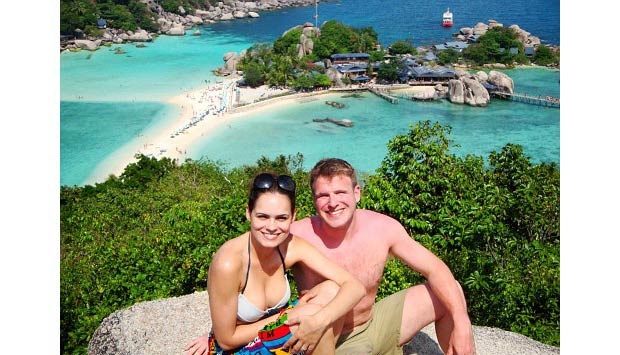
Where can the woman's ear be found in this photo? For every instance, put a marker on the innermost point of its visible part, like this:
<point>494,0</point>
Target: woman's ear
<point>294,215</point>
<point>247,212</point>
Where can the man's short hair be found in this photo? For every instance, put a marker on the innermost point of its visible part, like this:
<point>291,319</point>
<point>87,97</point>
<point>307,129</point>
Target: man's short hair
<point>330,168</point>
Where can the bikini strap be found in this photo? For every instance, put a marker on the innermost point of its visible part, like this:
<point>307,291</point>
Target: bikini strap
<point>281,258</point>
<point>247,273</point>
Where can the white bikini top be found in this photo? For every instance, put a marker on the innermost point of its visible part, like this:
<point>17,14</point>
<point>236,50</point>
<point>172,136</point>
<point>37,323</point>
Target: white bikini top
<point>249,313</point>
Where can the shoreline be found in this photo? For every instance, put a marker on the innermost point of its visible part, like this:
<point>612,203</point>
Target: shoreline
<point>163,143</point>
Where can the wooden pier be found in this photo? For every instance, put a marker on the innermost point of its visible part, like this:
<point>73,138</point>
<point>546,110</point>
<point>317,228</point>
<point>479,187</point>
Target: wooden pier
<point>384,95</point>
<point>546,101</point>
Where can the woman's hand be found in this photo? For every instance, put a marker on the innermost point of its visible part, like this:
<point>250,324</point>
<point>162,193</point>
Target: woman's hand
<point>198,346</point>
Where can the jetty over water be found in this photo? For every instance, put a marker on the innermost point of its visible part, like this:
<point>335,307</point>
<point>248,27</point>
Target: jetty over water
<point>546,101</point>
<point>384,95</point>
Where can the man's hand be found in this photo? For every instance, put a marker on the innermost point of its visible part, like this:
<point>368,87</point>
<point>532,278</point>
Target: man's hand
<point>461,340</point>
<point>308,333</point>
<point>198,346</point>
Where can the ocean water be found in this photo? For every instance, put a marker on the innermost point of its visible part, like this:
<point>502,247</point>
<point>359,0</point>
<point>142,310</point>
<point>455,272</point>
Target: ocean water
<point>109,101</point>
<point>478,131</point>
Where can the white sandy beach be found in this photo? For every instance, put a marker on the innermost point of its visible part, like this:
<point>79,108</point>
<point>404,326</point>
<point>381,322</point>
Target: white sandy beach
<point>175,140</point>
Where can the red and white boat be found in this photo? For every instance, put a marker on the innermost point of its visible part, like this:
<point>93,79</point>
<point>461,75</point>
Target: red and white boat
<point>447,19</point>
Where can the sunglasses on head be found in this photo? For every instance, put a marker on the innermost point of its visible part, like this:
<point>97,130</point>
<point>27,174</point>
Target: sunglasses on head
<point>265,181</point>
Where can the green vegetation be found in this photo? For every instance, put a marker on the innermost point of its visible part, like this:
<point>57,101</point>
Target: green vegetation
<point>390,71</point>
<point>448,56</point>
<point>340,38</point>
<point>497,228</point>
<point>544,56</point>
<point>151,232</point>
<point>402,47</point>
<point>494,47</point>
<point>121,14</point>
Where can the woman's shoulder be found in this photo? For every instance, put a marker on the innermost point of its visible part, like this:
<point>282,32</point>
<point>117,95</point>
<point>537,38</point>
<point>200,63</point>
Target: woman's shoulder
<point>228,256</point>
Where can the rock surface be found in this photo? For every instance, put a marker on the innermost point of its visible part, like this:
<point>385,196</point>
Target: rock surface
<point>165,326</point>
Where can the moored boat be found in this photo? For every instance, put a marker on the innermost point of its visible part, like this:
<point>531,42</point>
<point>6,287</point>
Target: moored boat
<point>447,19</point>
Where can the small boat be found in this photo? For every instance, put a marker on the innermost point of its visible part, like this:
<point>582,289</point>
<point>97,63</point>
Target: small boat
<point>447,19</point>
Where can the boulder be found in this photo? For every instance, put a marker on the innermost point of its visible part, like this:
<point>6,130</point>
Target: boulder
<point>176,31</point>
<point>253,14</point>
<point>165,326</point>
<point>240,14</point>
<point>140,36</point>
<point>475,93</point>
<point>480,29</point>
<point>466,31</point>
<point>86,44</point>
<point>231,59</point>
<point>227,17</point>
<point>195,19</point>
<point>481,76</point>
<point>181,10</point>
<point>456,91</point>
<point>503,82</point>
<point>335,76</point>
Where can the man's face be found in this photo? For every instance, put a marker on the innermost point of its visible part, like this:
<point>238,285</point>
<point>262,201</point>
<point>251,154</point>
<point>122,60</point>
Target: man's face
<point>335,200</point>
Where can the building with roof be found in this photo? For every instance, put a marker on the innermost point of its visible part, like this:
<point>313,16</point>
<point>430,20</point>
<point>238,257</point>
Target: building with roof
<point>529,51</point>
<point>456,45</point>
<point>101,23</point>
<point>343,58</point>
<point>432,74</point>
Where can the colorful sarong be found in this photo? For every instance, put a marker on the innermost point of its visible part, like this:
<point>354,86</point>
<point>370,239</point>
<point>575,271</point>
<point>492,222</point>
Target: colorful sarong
<point>268,342</point>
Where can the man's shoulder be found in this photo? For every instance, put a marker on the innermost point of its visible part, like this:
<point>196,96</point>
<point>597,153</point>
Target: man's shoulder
<point>373,217</point>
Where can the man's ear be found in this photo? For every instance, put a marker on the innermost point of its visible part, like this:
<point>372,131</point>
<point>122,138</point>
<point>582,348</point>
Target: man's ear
<point>357,191</point>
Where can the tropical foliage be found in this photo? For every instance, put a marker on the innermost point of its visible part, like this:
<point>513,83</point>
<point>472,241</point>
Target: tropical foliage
<point>121,14</point>
<point>494,47</point>
<point>151,232</point>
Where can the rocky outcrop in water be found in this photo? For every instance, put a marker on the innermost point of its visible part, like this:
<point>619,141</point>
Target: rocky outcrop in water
<point>175,24</point>
<point>165,326</point>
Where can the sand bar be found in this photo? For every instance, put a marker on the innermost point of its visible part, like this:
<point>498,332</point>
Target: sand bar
<point>201,111</point>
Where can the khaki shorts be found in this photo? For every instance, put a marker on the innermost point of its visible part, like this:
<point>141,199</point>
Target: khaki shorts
<point>381,334</point>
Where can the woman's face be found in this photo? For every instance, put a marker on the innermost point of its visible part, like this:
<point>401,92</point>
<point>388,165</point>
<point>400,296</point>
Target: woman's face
<point>271,219</point>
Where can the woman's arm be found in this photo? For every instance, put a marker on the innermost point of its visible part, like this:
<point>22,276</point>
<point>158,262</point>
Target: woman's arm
<point>351,291</point>
<point>223,288</point>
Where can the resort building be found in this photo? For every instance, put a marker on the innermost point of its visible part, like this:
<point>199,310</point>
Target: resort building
<point>456,45</point>
<point>429,75</point>
<point>350,58</point>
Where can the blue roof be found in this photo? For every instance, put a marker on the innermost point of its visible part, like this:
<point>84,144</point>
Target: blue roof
<point>101,22</point>
<point>457,44</point>
<point>529,50</point>
<point>433,71</point>
<point>430,56</point>
<point>350,56</point>
<point>361,78</point>
<point>351,68</point>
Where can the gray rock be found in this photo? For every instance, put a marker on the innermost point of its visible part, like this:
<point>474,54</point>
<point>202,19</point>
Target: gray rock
<point>240,14</point>
<point>140,36</point>
<point>466,31</point>
<point>165,326</point>
<point>177,30</point>
<point>481,76</point>
<point>86,44</point>
<point>253,14</point>
<point>502,81</point>
<point>456,91</point>
<point>227,17</point>
<point>475,93</point>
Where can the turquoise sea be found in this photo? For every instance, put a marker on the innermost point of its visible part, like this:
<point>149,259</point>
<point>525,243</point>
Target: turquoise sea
<point>109,101</point>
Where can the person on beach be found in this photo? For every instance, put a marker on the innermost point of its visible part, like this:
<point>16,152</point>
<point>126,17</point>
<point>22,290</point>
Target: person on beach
<point>249,292</point>
<point>361,241</point>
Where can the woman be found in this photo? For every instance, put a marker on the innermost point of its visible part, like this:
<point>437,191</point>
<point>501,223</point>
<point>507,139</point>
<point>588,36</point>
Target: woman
<point>249,292</point>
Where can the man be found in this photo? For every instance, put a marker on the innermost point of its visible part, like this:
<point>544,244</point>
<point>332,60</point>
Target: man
<point>361,241</point>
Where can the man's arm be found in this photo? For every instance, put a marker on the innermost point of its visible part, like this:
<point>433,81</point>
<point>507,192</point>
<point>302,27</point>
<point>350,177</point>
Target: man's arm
<point>442,283</point>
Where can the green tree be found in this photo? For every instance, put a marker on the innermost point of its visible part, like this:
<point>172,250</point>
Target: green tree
<point>448,56</point>
<point>390,71</point>
<point>253,73</point>
<point>402,47</point>
<point>544,56</point>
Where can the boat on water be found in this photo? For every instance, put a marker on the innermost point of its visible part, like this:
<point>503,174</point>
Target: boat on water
<point>447,19</point>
